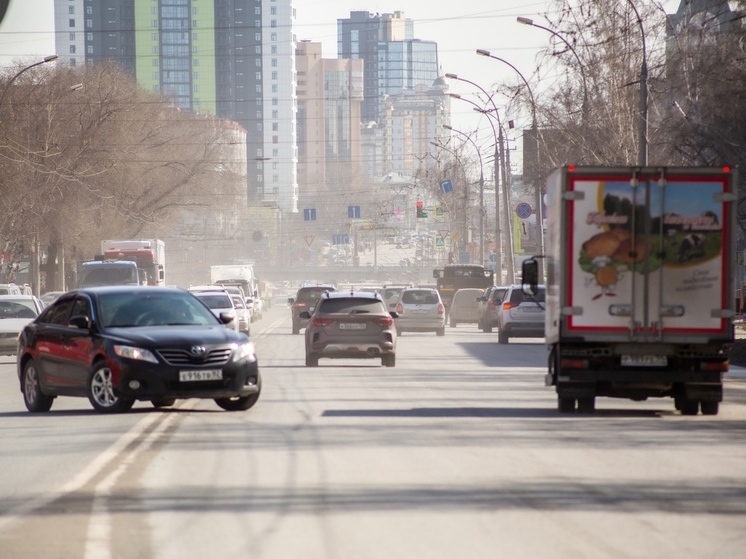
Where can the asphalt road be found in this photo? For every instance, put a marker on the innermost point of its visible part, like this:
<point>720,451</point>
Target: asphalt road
<point>456,452</point>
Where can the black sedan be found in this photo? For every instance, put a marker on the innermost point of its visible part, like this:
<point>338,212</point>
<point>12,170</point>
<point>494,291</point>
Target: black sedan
<point>116,345</point>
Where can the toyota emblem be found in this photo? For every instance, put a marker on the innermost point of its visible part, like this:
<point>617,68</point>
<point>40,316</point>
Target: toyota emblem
<point>198,350</point>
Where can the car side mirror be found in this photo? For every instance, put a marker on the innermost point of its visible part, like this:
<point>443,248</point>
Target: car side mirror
<point>530,277</point>
<point>79,321</point>
<point>227,317</point>
<point>291,300</point>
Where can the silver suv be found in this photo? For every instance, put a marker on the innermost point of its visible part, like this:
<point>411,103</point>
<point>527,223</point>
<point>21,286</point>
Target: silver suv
<point>521,315</point>
<point>489,307</point>
<point>420,310</point>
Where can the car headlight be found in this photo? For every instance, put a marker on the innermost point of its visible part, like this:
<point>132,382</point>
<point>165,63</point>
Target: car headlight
<point>136,353</point>
<point>244,351</point>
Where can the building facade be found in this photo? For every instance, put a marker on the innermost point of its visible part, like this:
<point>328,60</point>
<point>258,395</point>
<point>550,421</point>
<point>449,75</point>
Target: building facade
<point>394,59</point>
<point>234,59</point>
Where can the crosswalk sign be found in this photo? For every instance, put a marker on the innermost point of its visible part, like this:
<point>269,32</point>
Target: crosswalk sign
<point>439,242</point>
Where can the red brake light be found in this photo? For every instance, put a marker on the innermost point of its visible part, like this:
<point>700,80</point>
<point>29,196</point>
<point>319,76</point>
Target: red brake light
<point>441,308</point>
<point>322,321</point>
<point>491,304</point>
<point>399,308</point>
<point>383,321</point>
<point>299,304</point>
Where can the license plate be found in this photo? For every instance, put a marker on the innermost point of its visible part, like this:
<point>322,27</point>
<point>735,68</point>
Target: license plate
<point>352,325</point>
<point>644,360</point>
<point>532,309</point>
<point>193,376</point>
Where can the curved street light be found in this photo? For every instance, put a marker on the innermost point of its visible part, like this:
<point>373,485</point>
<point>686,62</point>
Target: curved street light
<point>46,59</point>
<point>530,22</point>
<point>481,194</point>
<point>538,202</point>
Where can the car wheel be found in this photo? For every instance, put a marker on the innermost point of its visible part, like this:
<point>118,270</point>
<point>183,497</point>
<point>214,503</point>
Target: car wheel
<point>296,329</point>
<point>389,360</point>
<point>502,337</point>
<point>440,331</point>
<point>453,323</point>
<point>488,328</point>
<point>312,360</point>
<point>163,402</point>
<point>33,397</point>
<point>241,403</point>
<point>101,393</point>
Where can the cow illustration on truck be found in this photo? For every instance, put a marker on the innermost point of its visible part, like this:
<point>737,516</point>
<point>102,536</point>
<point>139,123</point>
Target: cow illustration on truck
<point>639,289</point>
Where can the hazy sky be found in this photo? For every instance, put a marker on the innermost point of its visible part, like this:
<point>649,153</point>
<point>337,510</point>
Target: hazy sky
<point>459,28</point>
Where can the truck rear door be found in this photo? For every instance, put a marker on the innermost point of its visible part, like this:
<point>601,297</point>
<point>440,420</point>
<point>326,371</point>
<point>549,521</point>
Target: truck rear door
<point>649,253</point>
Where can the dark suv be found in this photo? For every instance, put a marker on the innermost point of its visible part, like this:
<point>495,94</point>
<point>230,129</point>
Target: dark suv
<point>350,325</point>
<point>303,301</point>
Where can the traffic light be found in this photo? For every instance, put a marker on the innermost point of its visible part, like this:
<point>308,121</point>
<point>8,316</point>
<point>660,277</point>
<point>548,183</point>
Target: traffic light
<point>420,210</point>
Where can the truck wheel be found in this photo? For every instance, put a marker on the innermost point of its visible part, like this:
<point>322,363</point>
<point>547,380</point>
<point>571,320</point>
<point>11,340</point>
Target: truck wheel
<point>502,338</point>
<point>565,404</point>
<point>709,407</point>
<point>586,405</point>
<point>689,407</point>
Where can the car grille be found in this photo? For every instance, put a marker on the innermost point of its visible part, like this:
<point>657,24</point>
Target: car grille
<point>214,356</point>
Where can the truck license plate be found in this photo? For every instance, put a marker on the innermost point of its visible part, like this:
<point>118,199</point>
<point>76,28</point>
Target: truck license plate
<point>644,361</point>
<point>208,374</point>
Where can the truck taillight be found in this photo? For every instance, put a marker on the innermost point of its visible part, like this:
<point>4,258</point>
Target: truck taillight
<point>714,366</point>
<point>573,363</point>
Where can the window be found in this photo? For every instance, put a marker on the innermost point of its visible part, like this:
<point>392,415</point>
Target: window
<point>89,50</point>
<point>155,75</point>
<point>257,11</point>
<point>274,49</point>
<point>275,127</point>
<point>72,49</point>
<point>273,10</point>
<point>89,10</point>
<point>88,22</point>
<point>258,76</point>
<point>275,139</point>
<point>258,126</point>
<point>275,114</point>
<point>72,36</point>
<point>275,178</point>
<point>257,36</point>
<point>274,75</point>
<point>195,37</point>
<point>273,37</point>
<point>258,62</point>
<point>89,36</point>
<point>274,88</point>
<point>155,62</point>
<point>72,23</point>
<point>274,63</point>
<point>257,49</point>
<point>273,23</point>
<point>195,75</point>
<point>258,88</point>
<point>274,100</point>
<point>154,36</point>
<point>195,88</point>
<point>195,62</point>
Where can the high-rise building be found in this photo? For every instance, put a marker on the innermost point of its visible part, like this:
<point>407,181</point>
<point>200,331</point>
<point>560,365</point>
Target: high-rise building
<point>330,92</point>
<point>231,58</point>
<point>394,59</point>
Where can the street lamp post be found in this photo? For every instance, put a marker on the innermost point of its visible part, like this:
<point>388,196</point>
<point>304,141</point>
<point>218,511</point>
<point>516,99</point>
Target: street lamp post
<point>538,202</point>
<point>530,22</point>
<point>506,191</point>
<point>481,192</point>
<point>46,59</point>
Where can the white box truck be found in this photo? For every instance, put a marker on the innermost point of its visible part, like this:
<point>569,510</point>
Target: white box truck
<point>640,297</point>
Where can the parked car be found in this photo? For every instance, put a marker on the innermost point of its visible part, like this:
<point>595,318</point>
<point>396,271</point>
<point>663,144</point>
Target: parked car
<point>220,303</point>
<point>464,307</point>
<point>420,310</point>
<point>304,300</point>
<point>243,314</point>
<point>521,315</point>
<point>390,295</point>
<point>489,306</point>
<point>133,343</point>
<point>50,297</point>
<point>16,311</point>
<point>352,324</point>
<point>10,289</point>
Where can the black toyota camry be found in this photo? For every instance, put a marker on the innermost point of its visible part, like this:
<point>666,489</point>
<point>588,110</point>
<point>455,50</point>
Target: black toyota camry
<point>116,345</point>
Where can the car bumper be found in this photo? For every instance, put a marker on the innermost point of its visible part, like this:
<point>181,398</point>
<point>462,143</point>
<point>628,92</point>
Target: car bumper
<point>351,348</point>
<point>420,324</point>
<point>9,345</point>
<point>525,329</point>
<point>147,382</point>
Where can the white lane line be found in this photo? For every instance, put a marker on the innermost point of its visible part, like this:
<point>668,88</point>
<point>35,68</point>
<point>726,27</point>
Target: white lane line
<point>98,539</point>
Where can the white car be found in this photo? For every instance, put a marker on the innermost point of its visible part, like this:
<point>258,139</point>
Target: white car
<point>220,303</point>
<point>16,311</point>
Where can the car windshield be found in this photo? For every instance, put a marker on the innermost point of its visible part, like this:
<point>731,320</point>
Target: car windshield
<point>147,309</point>
<point>351,305</point>
<point>17,309</point>
<point>216,300</point>
<point>517,296</point>
<point>419,297</point>
<point>310,295</point>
